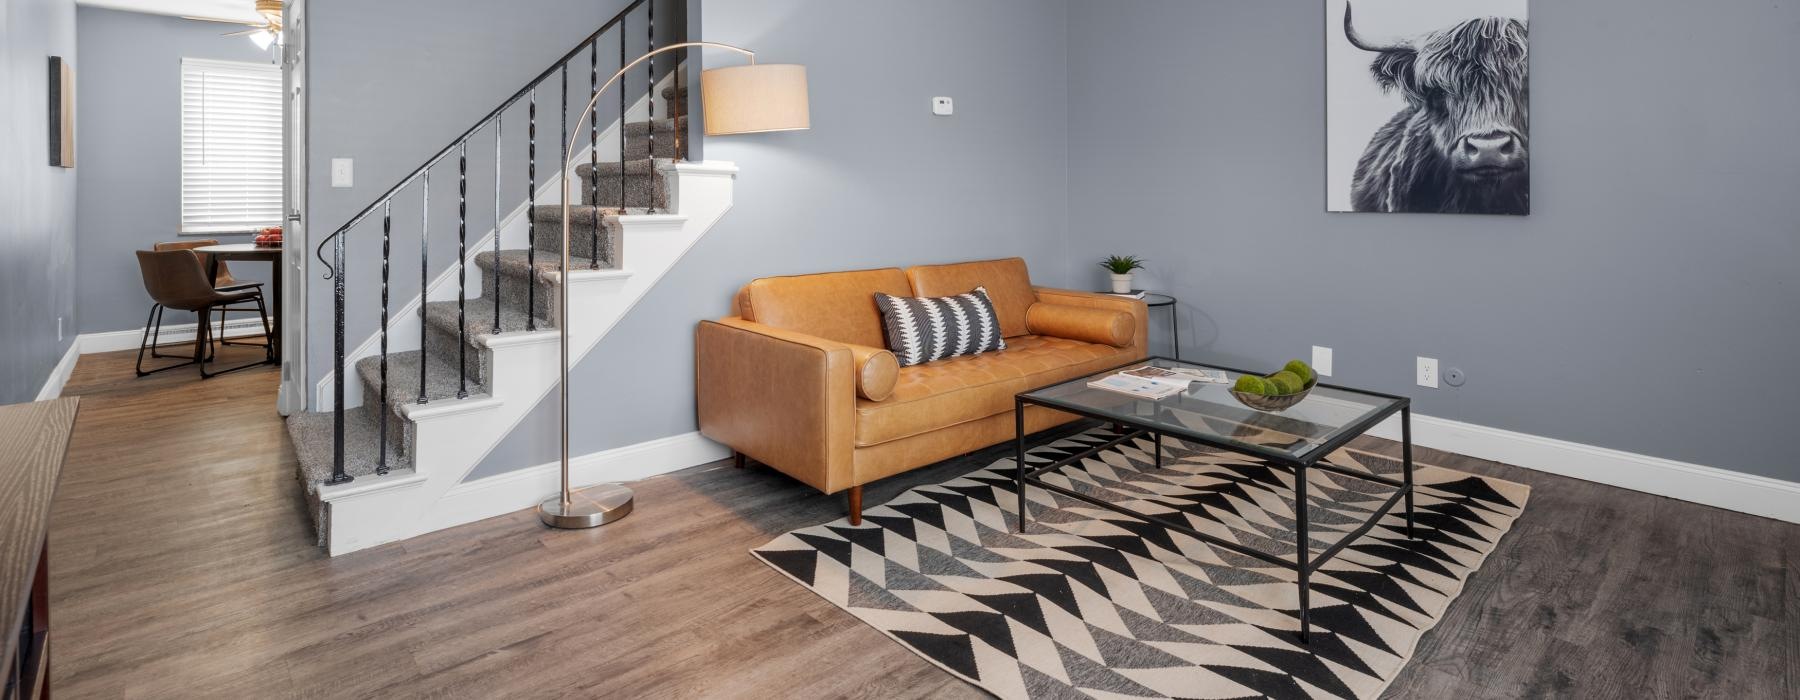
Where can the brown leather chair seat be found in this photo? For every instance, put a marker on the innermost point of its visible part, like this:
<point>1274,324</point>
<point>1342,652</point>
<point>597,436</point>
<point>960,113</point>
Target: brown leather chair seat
<point>958,390</point>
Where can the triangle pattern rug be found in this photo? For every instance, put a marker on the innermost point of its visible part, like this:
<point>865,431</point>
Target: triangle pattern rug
<point>1091,603</point>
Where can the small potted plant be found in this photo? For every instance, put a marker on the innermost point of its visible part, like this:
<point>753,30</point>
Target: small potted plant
<point>1121,266</point>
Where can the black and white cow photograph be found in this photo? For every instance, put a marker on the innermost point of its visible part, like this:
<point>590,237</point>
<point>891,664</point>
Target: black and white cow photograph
<point>1427,106</point>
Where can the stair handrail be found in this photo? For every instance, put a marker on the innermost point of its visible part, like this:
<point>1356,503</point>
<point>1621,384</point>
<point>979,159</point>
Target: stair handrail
<point>559,64</point>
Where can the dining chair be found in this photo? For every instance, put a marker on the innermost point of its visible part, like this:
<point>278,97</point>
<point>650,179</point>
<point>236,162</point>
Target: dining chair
<point>175,279</point>
<point>224,282</point>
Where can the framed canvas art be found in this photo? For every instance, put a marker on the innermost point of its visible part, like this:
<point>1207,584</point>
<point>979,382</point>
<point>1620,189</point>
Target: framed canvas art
<point>1427,106</point>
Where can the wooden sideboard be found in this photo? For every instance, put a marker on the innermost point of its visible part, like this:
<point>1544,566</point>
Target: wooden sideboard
<point>34,437</point>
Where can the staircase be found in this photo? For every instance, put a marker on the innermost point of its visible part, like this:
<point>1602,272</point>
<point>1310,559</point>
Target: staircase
<point>433,390</point>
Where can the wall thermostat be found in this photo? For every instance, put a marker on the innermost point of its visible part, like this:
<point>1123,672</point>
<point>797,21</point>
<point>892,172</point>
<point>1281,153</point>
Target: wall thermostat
<point>942,106</point>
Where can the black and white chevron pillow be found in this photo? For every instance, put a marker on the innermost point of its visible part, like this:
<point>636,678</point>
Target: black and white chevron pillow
<point>922,329</point>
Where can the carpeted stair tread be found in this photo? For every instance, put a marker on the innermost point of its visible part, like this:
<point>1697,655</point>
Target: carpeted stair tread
<point>311,433</point>
<point>644,183</point>
<point>514,264</point>
<point>442,381</point>
<point>664,125</point>
<point>636,167</point>
<point>583,236</point>
<point>670,92</point>
<point>442,315</point>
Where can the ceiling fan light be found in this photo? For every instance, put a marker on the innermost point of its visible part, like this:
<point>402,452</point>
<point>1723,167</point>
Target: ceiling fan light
<point>262,39</point>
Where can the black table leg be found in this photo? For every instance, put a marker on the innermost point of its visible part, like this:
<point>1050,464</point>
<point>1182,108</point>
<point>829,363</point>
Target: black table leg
<point>1406,459</point>
<point>1019,460</point>
<point>1302,553</point>
<point>1158,450</point>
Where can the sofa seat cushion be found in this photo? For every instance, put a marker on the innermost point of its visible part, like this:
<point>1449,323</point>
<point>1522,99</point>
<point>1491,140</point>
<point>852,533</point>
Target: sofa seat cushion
<point>949,392</point>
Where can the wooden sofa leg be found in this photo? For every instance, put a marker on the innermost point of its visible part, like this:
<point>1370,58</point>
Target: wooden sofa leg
<point>856,505</point>
<point>737,459</point>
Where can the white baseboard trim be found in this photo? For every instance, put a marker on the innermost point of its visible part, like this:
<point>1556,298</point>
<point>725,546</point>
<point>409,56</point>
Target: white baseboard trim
<point>500,494</point>
<point>112,341</point>
<point>1712,486</point>
<point>53,385</point>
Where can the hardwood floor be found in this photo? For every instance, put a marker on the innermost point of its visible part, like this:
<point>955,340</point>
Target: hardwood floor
<point>185,567</point>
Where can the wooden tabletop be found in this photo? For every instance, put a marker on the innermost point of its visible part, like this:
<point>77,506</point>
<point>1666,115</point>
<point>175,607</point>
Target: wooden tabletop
<point>33,439</point>
<point>240,249</point>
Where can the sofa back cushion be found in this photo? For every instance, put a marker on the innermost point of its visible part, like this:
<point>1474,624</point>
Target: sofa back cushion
<point>1007,282</point>
<point>836,306</point>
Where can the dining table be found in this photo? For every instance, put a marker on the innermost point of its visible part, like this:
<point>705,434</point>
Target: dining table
<point>252,252</point>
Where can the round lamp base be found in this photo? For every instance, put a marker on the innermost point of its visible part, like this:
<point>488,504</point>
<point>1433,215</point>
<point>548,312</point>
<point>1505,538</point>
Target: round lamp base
<point>590,507</point>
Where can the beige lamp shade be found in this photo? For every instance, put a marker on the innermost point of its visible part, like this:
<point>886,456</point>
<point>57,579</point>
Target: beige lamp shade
<point>755,98</point>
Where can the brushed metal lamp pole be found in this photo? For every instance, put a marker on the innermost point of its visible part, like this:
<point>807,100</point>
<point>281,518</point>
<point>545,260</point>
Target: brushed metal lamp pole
<point>745,99</point>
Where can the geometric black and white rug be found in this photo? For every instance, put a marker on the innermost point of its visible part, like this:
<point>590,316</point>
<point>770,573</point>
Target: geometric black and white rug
<point>1091,603</point>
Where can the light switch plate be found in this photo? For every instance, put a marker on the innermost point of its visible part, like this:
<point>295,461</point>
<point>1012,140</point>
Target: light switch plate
<point>943,106</point>
<point>343,172</point>
<point>1321,363</point>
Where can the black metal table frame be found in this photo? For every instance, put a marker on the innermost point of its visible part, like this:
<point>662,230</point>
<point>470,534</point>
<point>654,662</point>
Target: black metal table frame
<point>1313,460</point>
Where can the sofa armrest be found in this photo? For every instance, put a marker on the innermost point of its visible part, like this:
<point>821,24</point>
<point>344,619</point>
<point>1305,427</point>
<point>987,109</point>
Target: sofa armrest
<point>1140,314</point>
<point>1083,323</point>
<point>787,399</point>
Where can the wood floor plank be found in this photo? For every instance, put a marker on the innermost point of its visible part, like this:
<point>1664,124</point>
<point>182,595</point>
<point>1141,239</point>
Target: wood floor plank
<point>186,567</point>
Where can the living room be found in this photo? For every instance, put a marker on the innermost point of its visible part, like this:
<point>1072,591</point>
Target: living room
<point>1541,434</point>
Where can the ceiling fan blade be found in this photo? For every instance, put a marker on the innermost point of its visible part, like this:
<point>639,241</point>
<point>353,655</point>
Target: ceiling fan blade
<point>224,21</point>
<point>245,32</point>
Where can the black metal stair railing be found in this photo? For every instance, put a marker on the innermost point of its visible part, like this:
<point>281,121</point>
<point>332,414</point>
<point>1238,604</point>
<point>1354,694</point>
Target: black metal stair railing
<point>492,124</point>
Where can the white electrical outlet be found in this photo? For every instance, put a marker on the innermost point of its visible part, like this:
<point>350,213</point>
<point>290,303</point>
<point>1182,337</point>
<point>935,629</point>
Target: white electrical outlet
<point>943,106</point>
<point>343,172</point>
<point>1321,363</point>
<point>1428,373</point>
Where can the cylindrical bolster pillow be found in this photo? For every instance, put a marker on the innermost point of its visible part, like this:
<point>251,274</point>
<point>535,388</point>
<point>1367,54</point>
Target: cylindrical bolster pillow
<point>1085,324</point>
<point>876,371</point>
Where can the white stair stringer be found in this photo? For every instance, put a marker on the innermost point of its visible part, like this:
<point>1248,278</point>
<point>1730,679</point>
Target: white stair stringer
<point>453,436</point>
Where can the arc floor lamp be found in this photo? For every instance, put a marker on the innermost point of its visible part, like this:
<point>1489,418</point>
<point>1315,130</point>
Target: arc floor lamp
<point>745,99</point>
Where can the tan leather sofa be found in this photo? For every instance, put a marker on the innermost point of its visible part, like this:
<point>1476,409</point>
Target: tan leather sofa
<point>799,377</point>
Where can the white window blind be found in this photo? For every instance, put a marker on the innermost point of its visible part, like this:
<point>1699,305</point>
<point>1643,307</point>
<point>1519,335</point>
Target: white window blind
<point>230,146</point>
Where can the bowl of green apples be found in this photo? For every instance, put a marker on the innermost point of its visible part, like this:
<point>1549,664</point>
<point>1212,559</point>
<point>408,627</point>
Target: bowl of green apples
<point>1277,391</point>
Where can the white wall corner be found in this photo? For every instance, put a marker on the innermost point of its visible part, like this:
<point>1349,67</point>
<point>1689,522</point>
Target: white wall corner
<point>59,375</point>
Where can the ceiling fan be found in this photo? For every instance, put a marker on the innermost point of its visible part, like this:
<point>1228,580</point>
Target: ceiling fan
<point>263,32</point>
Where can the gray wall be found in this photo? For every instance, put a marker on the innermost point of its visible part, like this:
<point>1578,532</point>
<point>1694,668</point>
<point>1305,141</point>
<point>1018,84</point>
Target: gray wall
<point>37,201</point>
<point>395,81</point>
<point>878,181</point>
<point>129,182</point>
<point>1647,304</point>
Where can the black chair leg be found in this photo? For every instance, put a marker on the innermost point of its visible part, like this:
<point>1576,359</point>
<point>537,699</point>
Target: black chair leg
<point>152,333</point>
<point>269,357</point>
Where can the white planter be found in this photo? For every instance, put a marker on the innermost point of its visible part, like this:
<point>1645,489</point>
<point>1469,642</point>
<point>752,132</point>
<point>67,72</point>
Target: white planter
<point>1121,283</point>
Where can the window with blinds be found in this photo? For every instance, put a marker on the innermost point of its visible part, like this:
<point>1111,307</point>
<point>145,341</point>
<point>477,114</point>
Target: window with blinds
<point>230,146</point>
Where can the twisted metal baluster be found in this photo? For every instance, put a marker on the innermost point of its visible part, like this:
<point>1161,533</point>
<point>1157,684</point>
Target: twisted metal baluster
<point>424,279</point>
<point>531,215</point>
<point>337,411</point>
<point>594,158</point>
<point>624,21</point>
<point>462,271</point>
<point>650,90</point>
<point>496,290</point>
<point>387,236</point>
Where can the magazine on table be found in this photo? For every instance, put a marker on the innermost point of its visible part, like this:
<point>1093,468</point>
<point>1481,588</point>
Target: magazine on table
<point>1134,294</point>
<point>1135,386</point>
<point>1179,376</point>
<point>1153,382</point>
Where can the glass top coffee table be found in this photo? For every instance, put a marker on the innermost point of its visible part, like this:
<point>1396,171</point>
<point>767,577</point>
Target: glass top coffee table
<point>1207,414</point>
